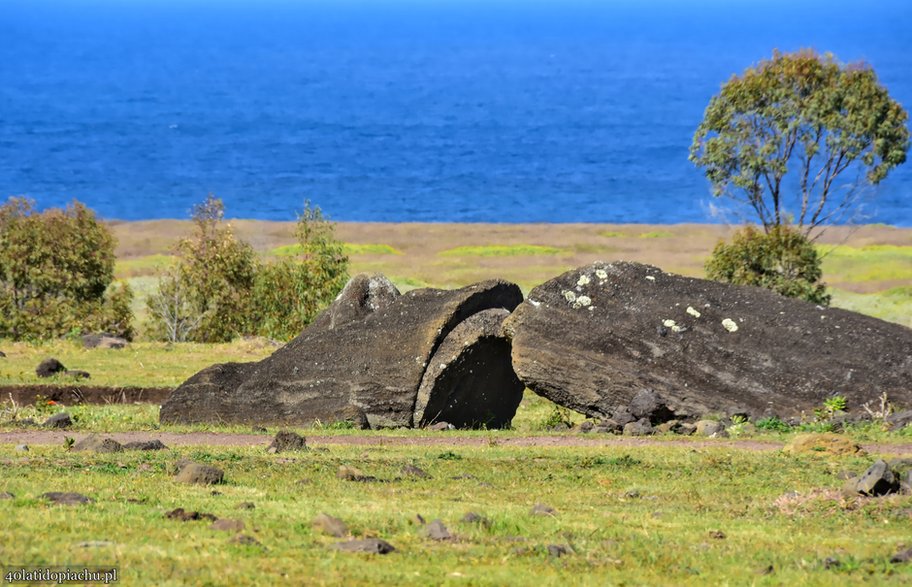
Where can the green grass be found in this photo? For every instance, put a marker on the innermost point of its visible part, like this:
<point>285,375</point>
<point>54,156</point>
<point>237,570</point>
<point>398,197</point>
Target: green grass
<point>501,251</point>
<point>141,364</point>
<point>870,263</point>
<point>148,265</point>
<point>631,515</point>
<point>657,234</point>
<point>348,248</point>
<point>893,304</point>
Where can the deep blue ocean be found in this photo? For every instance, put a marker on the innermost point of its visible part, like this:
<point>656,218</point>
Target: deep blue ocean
<point>397,110</point>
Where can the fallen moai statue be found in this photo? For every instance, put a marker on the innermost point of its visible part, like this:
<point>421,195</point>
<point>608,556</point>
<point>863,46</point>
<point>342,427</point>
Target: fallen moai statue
<point>368,359</point>
<point>593,337</point>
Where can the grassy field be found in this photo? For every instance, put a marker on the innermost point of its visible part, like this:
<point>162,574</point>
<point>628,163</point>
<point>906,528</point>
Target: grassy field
<point>624,515</point>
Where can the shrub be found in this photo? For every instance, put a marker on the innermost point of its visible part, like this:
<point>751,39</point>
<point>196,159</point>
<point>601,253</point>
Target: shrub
<point>782,260</point>
<point>289,293</point>
<point>208,297</point>
<point>56,273</point>
<point>218,289</point>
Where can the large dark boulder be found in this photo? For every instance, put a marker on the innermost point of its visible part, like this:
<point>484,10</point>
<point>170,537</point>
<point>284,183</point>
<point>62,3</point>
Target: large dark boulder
<point>363,364</point>
<point>593,337</point>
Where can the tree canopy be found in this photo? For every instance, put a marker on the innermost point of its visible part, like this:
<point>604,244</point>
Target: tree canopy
<point>798,137</point>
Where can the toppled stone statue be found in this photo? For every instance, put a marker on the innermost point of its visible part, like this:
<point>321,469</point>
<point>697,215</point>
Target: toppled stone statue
<point>593,337</point>
<point>365,358</point>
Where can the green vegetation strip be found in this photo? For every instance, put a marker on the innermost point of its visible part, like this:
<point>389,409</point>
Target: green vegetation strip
<point>348,248</point>
<point>621,515</point>
<point>871,263</point>
<point>501,251</point>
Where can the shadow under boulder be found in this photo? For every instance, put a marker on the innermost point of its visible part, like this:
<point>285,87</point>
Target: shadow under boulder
<point>364,359</point>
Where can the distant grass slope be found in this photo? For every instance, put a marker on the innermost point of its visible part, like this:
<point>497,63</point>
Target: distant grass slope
<point>894,305</point>
<point>348,248</point>
<point>500,251</point>
<point>867,263</point>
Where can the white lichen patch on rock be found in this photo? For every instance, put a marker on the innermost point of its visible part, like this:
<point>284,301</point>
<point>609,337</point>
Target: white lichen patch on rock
<point>534,303</point>
<point>569,296</point>
<point>677,328</point>
<point>582,302</point>
<point>601,274</point>
<point>693,312</point>
<point>650,278</point>
<point>669,323</point>
<point>583,280</point>
<point>729,325</point>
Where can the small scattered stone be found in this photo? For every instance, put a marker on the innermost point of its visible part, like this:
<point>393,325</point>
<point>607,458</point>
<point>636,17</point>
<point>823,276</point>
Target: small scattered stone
<point>94,544</point>
<point>709,428</point>
<point>899,420</point>
<point>245,540</point>
<point>258,430</point>
<point>368,545</point>
<point>246,505</point>
<point>329,525</point>
<point>24,423</point>
<point>440,426</point>
<point>541,509</point>
<point>632,494</point>
<point>902,556</point>
<point>6,495</point>
<point>831,563</point>
<point>59,420</point>
<point>2,355</point>
<point>413,471</point>
<point>830,444</point>
<point>49,367</point>
<point>717,534</point>
<point>103,340</point>
<point>419,519</point>
<point>639,428</point>
<point>200,474</point>
<point>145,445</point>
<point>99,444</point>
<point>878,480</point>
<point>287,441</point>
<point>77,374</point>
<point>347,473</point>
<point>767,570</point>
<point>184,516</point>
<point>215,493</point>
<point>22,448</point>
<point>557,550</point>
<point>622,416</point>
<point>436,530</point>
<point>473,518</point>
<point>66,498</point>
<point>586,427</point>
<point>686,429</point>
<point>227,525</point>
<point>608,426</point>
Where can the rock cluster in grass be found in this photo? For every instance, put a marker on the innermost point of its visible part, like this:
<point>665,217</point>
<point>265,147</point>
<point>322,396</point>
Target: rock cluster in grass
<point>882,478</point>
<point>639,350</point>
<point>51,366</point>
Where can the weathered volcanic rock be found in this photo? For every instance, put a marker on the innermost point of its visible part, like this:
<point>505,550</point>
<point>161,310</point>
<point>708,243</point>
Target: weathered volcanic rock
<point>591,338</point>
<point>49,367</point>
<point>367,370</point>
<point>362,295</point>
<point>103,340</point>
<point>469,382</point>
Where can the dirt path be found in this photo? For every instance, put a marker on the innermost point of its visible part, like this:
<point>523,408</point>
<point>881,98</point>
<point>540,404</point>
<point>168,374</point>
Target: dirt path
<point>39,437</point>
